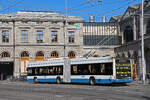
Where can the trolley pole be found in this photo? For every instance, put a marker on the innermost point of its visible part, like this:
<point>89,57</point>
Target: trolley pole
<point>142,43</point>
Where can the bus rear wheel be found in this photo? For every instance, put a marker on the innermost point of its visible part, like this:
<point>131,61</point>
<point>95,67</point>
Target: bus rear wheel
<point>58,81</point>
<point>35,80</point>
<point>92,81</point>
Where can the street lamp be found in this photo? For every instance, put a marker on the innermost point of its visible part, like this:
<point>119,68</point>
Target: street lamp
<point>142,42</point>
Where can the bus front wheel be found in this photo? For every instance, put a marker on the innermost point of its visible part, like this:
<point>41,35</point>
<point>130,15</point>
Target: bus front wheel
<point>92,81</point>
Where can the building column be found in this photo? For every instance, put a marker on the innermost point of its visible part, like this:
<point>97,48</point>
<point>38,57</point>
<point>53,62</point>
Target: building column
<point>134,28</point>
<point>17,67</point>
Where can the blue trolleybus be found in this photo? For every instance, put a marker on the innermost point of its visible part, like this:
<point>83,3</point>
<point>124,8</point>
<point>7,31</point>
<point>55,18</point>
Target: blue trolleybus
<point>103,70</point>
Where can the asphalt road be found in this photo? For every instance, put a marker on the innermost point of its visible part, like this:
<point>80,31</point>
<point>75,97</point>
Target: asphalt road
<point>28,91</point>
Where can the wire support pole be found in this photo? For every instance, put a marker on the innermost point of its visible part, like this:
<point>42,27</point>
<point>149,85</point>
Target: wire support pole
<point>14,43</point>
<point>66,29</point>
<point>142,43</point>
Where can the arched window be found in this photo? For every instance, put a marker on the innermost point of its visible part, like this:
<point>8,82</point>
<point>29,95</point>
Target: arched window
<point>5,54</point>
<point>117,55</point>
<point>71,54</point>
<point>128,34</point>
<point>39,56</point>
<point>54,54</point>
<point>24,54</point>
<point>135,55</point>
<point>24,59</point>
<point>129,55</point>
<point>39,53</point>
<point>123,55</point>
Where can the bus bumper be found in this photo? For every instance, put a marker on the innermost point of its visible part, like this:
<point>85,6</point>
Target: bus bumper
<point>122,81</point>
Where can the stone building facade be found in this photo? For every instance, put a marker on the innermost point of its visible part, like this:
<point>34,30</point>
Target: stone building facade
<point>36,36</point>
<point>29,36</point>
<point>131,36</point>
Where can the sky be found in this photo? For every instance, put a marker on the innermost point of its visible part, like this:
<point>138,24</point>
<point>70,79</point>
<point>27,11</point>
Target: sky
<point>83,8</point>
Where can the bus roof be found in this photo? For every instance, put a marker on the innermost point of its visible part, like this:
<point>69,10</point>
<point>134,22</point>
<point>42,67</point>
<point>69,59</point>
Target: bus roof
<point>91,60</point>
<point>76,61</point>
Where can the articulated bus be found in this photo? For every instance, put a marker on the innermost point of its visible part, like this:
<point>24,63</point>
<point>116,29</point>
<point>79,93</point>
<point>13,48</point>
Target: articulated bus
<point>103,70</point>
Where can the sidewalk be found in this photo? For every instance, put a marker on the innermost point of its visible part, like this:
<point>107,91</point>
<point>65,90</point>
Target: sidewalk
<point>138,83</point>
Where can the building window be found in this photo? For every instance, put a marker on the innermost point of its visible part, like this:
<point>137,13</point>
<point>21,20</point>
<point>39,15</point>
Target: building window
<point>71,36</point>
<point>39,36</point>
<point>5,22</point>
<point>71,23</point>
<point>24,22</point>
<point>5,54</point>
<point>71,54</point>
<point>128,34</point>
<point>40,53</point>
<point>54,22</point>
<point>5,36</point>
<point>54,36</point>
<point>24,54</point>
<point>39,22</point>
<point>54,54</point>
<point>24,36</point>
<point>39,56</point>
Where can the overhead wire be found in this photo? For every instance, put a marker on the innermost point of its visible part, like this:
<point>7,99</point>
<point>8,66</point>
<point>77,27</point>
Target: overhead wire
<point>106,12</point>
<point>18,2</point>
<point>85,5</point>
<point>95,11</point>
<point>121,7</point>
<point>82,4</point>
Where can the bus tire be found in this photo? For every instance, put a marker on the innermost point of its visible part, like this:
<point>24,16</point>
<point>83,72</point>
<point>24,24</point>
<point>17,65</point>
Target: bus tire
<point>58,81</point>
<point>92,81</point>
<point>35,80</point>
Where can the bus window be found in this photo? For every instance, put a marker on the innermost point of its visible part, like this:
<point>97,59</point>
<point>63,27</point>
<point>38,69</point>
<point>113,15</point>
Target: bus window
<point>36,71</point>
<point>29,71</point>
<point>92,69</point>
<point>106,69</point>
<point>79,70</point>
<point>50,70</point>
<point>59,70</point>
<point>55,70</point>
<point>102,68</point>
<point>74,70</point>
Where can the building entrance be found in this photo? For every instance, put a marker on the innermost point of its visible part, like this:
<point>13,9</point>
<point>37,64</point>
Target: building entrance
<point>147,57</point>
<point>6,70</point>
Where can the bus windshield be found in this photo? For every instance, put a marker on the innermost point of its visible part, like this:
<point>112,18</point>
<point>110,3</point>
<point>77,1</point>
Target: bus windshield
<point>123,69</point>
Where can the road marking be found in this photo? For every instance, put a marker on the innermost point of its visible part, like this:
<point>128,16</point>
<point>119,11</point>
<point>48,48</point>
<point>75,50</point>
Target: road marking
<point>60,96</point>
<point>132,92</point>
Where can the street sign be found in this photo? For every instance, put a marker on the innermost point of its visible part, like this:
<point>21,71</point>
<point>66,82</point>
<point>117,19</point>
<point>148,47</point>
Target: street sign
<point>77,27</point>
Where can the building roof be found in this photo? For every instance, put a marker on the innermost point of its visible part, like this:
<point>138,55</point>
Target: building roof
<point>136,6</point>
<point>99,23</point>
<point>115,18</point>
<point>39,16</point>
<point>37,13</point>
